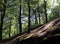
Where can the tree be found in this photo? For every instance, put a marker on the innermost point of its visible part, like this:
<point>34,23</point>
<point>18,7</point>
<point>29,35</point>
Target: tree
<point>56,12</point>
<point>45,11</point>
<point>20,24</point>
<point>36,22</point>
<point>29,16</point>
<point>2,18</point>
<point>38,11</point>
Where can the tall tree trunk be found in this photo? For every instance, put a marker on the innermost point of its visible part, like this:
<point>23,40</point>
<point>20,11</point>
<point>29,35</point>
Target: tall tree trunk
<point>45,11</point>
<point>39,16</point>
<point>2,18</point>
<point>20,24</point>
<point>36,22</point>
<point>10,29</point>
<point>29,16</point>
<point>1,28</point>
<point>38,12</point>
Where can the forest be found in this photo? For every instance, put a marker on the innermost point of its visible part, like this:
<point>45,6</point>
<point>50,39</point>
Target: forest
<point>18,17</point>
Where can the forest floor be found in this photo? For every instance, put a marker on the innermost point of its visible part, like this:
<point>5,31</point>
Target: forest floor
<point>48,32</point>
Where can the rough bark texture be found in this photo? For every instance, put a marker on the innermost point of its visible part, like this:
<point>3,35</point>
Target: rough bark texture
<point>36,35</point>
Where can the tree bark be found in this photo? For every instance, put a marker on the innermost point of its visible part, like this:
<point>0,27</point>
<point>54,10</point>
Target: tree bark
<point>45,11</point>
<point>39,12</point>
<point>29,16</point>
<point>19,19</point>
<point>36,36</point>
<point>2,18</point>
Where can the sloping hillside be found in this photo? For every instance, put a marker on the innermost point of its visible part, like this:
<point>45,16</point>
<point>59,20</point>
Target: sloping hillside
<point>48,32</point>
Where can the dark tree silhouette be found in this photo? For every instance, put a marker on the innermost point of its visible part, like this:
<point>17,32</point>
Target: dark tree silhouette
<point>29,16</point>
<point>10,28</point>
<point>1,28</point>
<point>2,18</point>
<point>39,11</point>
<point>36,22</point>
<point>45,10</point>
<point>19,19</point>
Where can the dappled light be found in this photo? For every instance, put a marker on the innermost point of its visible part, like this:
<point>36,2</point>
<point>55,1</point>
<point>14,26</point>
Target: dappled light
<point>29,21</point>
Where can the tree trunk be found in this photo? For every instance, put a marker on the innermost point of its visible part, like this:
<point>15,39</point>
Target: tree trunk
<point>45,11</point>
<point>1,28</point>
<point>29,16</point>
<point>39,12</point>
<point>10,28</point>
<point>36,22</point>
<point>20,24</point>
<point>2,18</point>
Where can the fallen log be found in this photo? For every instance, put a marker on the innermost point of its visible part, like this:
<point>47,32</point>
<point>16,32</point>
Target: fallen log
<point>45,30</point>
<point>38,33</point>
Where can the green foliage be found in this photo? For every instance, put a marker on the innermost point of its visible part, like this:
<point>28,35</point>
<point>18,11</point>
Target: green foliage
<point>55,13</point>
<point>11,24</point>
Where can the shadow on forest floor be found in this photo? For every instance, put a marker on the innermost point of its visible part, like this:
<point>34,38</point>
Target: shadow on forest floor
<point>49,34</point>
<point>49,40</point>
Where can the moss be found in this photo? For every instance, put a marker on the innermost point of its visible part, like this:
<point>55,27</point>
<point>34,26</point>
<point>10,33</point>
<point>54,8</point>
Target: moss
<point>50,28</point>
